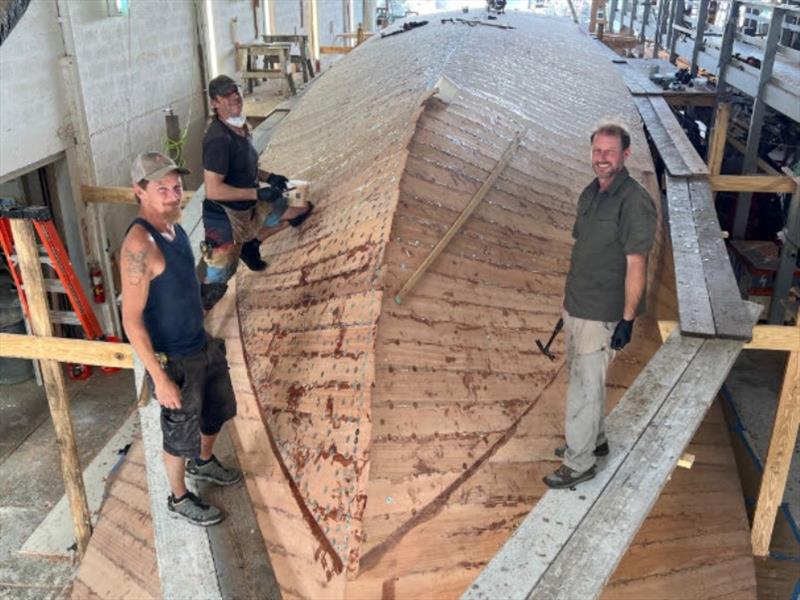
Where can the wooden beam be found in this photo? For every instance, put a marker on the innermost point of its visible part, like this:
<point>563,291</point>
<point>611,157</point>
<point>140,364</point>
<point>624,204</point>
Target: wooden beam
<point>334,49</point>
<point>117,195</point>
<point>779,456</point>
<point>719,134</point>
<point>777,184</point>
<point>761,163</point>
<point>53,376</point>
<point>465,214</point>
<point>102,354</point>
<point>765,337</point>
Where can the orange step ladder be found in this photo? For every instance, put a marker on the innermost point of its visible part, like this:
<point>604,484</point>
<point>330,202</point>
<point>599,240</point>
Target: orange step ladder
<point>67,282</point>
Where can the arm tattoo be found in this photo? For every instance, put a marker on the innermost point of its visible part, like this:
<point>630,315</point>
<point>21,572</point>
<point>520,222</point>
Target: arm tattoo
<point>135,265</point>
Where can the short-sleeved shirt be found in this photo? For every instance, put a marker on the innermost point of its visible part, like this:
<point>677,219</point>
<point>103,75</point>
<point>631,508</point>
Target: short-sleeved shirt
<point>609,226</point>
<point>233,156</point>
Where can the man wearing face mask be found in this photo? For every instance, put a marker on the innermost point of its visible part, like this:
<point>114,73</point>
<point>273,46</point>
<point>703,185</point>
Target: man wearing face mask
<point>604,293</point>
<point>238,212</point>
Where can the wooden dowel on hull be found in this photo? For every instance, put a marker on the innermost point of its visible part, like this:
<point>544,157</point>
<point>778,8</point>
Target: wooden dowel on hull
<point>462,218</point>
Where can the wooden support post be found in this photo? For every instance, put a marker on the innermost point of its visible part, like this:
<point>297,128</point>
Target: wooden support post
<point>634,8</point>
<point>645,21</point>
<point>462,217</point>
<point>612,16</point>
<point>788,260</point>
<point>593,15</point>
<point>719,136</point>
<point>726,47</point>
<point>702,18</point>
<point>757,121</point>
<point>572,10</point>
<point>779,456</point>
<point>677,20</point>
<point>659,26</point>
<point>31,271</point>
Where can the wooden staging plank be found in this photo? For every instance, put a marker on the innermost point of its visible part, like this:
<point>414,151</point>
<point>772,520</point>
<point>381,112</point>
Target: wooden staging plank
<point>677,152</point>
<point>526,556</point>
<point>694,304</point>
<point>570,544</point>
<point>730,313</point>
<point>588,560</point>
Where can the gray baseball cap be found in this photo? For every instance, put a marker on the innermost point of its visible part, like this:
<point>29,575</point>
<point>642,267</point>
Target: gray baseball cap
<point>221,85</point>
<point>154,165</point>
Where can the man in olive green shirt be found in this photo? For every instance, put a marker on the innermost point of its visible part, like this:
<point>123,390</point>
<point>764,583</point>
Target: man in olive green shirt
<point>613,233</point>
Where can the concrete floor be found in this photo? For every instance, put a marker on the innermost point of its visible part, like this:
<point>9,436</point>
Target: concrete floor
<point>30,475</point>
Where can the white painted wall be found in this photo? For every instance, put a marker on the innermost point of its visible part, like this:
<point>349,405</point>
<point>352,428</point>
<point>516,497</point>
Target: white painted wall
<point>32,113</point>
<point>233,22</point>
<point>331,22</point>
<point>288,16</point>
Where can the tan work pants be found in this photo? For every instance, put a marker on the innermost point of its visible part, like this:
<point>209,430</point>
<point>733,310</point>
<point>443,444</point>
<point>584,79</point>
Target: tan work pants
<point>588,355</point>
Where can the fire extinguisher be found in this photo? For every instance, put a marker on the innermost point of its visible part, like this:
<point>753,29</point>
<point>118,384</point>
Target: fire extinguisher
<point>98,289</point>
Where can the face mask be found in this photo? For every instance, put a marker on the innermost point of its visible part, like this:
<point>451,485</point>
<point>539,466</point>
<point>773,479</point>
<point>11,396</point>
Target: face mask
<point>236,121</point>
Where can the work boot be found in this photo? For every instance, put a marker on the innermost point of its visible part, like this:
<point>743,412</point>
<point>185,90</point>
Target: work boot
<point>251,255</point>
<point>564,477</point>
<point>193,509</point>
<point>211,293</point>
<point>601,450</point>
<point>212,471</point>
<point>300,219</point>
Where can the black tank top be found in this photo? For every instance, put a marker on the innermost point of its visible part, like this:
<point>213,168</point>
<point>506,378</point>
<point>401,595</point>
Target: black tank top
<point>173,315</point>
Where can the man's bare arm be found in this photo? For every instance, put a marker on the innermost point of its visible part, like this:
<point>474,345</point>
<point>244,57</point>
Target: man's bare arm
<point>136,270</point>
<point>217,189</point>
<point>635,276</point>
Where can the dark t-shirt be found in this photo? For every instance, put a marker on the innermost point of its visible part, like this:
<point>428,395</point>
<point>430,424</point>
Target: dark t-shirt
<point>609,225</point>
<point>233,156</point>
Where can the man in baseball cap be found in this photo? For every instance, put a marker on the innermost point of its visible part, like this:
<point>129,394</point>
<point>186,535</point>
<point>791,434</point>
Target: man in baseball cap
<point>242,205</point>
<point>163,317</point>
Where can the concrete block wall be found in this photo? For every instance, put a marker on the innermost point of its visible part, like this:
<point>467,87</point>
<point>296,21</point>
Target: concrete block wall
<point>131,69</point>
<point>288,15</point>
<point>32,112</point>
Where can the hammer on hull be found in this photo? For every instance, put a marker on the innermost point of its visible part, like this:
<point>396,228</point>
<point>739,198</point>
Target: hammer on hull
<point>545,348</point>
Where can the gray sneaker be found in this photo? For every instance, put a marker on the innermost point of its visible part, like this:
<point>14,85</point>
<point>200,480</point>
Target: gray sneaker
<point>194,510</point>
<point>213,471</point>
<point>564,477</point>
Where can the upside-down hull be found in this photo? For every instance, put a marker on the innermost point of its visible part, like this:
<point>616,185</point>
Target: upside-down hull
<point>390,449</point>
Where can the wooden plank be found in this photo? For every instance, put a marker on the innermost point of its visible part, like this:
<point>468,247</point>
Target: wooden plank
<point>527,555</point>
<point>779,456</point>
<point>677,135</point>
<point>462,217</point>
<point>719,134</point>
<point>52,374</point>
<point>778,184</point>
<point>586,562</point>
<point>730,316</point>
<point>334,49</point>
<point>765,337</point>
<point>666,148</point>
<point>117,195</point>
<point>103,354</point>
<point>694,304</point>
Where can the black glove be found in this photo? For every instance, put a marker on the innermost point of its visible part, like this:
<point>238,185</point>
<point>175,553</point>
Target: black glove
<point>269,194</point>
<point>279,182</point>
<point>622,334</point>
